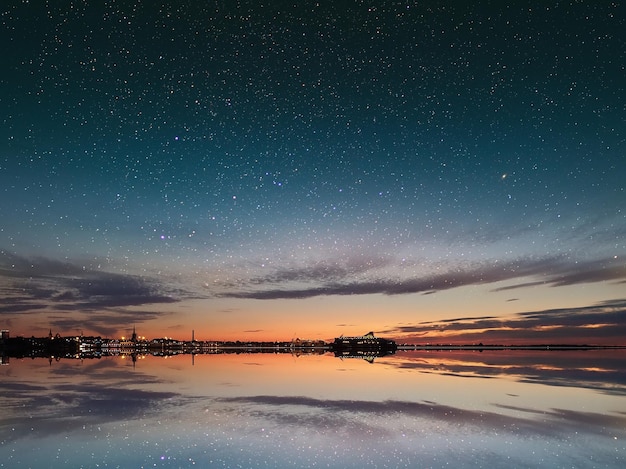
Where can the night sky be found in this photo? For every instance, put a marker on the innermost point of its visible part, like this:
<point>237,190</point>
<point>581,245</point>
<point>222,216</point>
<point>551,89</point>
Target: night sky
<point>432,171</point>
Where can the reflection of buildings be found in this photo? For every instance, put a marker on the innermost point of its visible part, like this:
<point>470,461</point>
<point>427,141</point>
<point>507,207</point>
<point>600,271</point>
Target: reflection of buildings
<point>367,355</point>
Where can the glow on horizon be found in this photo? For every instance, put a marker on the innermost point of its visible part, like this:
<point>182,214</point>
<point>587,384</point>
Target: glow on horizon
<point>341,171</point>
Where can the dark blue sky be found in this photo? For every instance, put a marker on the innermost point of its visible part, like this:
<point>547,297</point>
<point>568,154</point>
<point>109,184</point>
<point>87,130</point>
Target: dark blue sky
<point>279,150</point>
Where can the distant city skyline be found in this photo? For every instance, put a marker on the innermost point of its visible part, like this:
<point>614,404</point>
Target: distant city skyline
<point>268,171</point>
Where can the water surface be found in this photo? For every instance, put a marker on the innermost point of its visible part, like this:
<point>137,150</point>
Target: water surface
<point>412,409</point>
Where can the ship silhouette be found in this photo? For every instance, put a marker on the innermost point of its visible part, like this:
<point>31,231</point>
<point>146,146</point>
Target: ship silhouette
<point>366,346</point>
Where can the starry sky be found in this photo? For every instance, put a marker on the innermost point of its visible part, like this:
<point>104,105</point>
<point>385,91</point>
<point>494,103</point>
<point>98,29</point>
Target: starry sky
<point>433,171</point>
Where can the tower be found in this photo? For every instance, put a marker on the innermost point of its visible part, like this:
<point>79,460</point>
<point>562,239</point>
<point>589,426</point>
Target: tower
<point>133,339</point>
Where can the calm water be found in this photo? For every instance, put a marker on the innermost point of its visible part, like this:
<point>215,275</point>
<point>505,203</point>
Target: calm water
<point>414,409</point>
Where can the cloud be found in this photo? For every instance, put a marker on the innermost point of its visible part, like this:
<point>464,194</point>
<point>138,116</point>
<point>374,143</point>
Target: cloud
<point>519,285</point>
<point>554,271</point>
<point>105,323</point>
<point>576,272</point>
<point>325,271</point>
<point>16,307</point>
<point>604,322</point>
<point>469,318</point>
<point>29,285</point>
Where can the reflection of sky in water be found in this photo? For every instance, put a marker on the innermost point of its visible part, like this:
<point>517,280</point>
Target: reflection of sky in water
<point>411,410</point>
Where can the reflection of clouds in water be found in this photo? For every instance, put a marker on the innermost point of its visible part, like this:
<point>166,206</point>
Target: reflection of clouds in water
<point>40,411</point>
<point>106,413</point>
<point>161,430</point>
<point>601,424</point>
<point>597,370</point>
<point>411,434</point>
<point>337,413</point>
<point>584,380</point>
